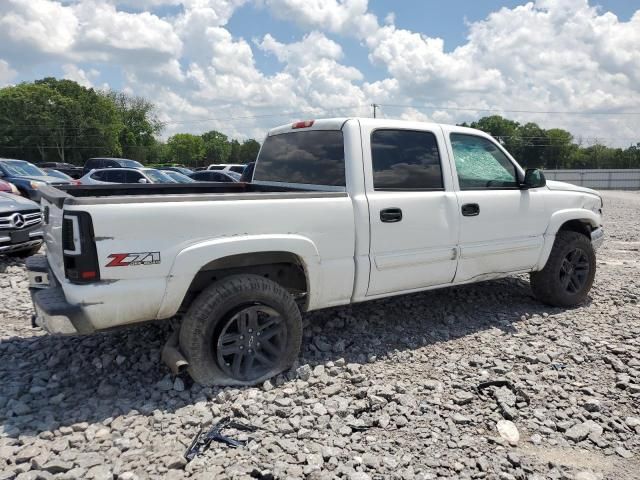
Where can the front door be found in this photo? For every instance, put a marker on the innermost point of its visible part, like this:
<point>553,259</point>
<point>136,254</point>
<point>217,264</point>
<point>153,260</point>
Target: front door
<point>412,209</point>
<point>501,226</point>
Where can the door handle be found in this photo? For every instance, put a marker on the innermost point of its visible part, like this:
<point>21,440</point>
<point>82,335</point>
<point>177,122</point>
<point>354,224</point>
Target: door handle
<point>390,215</point>
<point>470,209</point>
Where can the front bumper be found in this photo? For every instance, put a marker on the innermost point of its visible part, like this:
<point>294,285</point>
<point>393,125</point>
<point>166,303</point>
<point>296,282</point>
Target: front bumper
<point>53,312</point>
<point>597,238</point>
<point>28,238</point>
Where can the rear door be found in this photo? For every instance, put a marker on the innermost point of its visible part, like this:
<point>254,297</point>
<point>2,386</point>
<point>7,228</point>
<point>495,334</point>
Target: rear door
<point>412,208</point>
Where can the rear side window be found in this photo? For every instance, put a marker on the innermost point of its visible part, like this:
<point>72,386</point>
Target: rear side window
<point>115,176</point>
<point>405,160</point>
<point>313,157</point>
<point>132,176</point>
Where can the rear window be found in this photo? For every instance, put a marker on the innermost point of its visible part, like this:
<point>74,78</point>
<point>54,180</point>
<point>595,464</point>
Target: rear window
<point>313,157</point>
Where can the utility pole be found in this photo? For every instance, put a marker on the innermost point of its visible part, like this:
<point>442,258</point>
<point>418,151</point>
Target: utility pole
<point>375,106</point>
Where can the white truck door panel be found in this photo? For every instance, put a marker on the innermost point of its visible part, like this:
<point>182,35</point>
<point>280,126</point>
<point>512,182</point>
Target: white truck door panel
<point>506,235</point>
<point>501,226</point>
<point>412,208</point>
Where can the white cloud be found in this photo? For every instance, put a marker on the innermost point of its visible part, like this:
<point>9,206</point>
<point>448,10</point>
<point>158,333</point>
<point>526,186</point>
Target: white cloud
<point>6,73</point>
<point>349,17</point>
<point>313,47</point>
<point>545,55</point>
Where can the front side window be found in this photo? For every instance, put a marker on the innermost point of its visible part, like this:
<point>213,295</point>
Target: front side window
<point>405,160</point>
<point>481,164</point>
<point>314,157</point>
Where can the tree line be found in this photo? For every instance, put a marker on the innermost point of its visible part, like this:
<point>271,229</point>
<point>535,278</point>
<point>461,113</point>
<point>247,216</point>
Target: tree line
<point>61,121</point>
<point>536,147</point>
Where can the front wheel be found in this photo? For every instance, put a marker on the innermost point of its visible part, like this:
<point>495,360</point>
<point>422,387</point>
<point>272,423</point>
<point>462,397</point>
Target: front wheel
<point>568,275</point>
<point>241,330</point>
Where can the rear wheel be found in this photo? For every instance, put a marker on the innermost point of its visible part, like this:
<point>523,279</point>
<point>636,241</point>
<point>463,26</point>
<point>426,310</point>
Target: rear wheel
<point>241,331</point>
<point>568,275</point>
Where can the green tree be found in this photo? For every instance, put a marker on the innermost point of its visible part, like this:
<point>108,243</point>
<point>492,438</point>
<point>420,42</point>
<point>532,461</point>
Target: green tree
<point>234,153</point>
<point>186,148</point>
<point>217,147</point>
<point>559,149</point>
<point>57,120</point>
<point>140,125</point>
<point>248,151</point>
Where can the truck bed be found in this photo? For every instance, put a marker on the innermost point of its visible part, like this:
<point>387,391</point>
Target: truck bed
<point>148,193</point>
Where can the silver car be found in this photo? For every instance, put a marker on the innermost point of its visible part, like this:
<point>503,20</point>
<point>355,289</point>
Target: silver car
<point>20,225</point>
<point>125,175</point>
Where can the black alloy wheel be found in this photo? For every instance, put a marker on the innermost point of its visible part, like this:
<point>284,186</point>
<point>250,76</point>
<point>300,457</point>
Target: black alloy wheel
<point>251,342</point>
<point>574,270</point>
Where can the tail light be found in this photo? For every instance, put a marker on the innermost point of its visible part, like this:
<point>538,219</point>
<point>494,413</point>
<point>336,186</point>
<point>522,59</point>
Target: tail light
<point>79,248</point>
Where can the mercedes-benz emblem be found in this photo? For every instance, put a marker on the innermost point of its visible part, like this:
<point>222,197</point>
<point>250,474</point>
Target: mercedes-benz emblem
<point>17,220</point>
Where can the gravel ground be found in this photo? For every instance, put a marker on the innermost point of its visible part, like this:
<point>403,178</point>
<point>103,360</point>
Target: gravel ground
<point>387,389</point>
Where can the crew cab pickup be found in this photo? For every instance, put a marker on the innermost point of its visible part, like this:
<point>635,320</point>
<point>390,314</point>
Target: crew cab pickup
<point>338,211</point>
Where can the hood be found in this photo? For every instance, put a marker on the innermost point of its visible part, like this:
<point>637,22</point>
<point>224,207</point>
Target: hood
<point>14,203</point>
<point>41,178</point>
<point>555,185</point>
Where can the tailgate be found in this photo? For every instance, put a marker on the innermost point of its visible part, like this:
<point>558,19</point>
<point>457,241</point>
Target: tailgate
<point>53,212</point>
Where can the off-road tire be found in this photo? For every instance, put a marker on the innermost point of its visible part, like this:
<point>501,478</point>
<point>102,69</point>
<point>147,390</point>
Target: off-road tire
<point>201,327</point>
<point>546,284</point>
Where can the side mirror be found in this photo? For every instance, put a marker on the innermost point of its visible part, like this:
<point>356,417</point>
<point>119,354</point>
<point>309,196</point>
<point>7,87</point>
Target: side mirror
<point>533,178</point>
<point>143,180</point>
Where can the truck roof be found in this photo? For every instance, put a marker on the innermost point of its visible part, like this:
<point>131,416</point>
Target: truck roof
<point>337,123</point>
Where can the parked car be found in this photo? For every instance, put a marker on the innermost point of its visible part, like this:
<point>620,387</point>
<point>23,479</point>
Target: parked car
<point>8,187</point>
<point>55,173</point>
<point>228,167</point>
<point>67,168</point>
<point>178,177</point>
<point>171,168</point>
<point>339,211</point>
<point>20,225</point>
<point>27,177</point>
<point>125,175</point>
<point>213,176</point>
<point>107,162</point>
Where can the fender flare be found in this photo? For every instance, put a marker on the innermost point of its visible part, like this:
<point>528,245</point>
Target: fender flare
<point>556,221</point>
<point>191,259</point>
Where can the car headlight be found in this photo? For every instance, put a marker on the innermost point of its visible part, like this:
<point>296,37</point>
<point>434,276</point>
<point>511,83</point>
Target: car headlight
<point>35,184</point>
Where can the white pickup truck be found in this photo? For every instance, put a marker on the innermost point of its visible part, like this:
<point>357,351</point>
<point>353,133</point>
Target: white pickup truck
<point>339,211</point>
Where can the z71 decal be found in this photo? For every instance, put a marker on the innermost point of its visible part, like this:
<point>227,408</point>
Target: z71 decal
<point>133,259</point>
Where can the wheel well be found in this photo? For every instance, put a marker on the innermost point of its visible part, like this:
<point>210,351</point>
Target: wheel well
<point>284,268</point>
<point>579,226</point>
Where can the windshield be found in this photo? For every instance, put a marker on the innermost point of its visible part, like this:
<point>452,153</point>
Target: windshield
<point>178,177</point>
<point>157,176</point>
<point>56,173</point>
<point>130,164</point>
<point>314,157</point>
<point>18,168</point>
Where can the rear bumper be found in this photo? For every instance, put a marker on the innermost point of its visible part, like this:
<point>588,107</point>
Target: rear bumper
<point>53,312</point>
<point>597,238</point>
